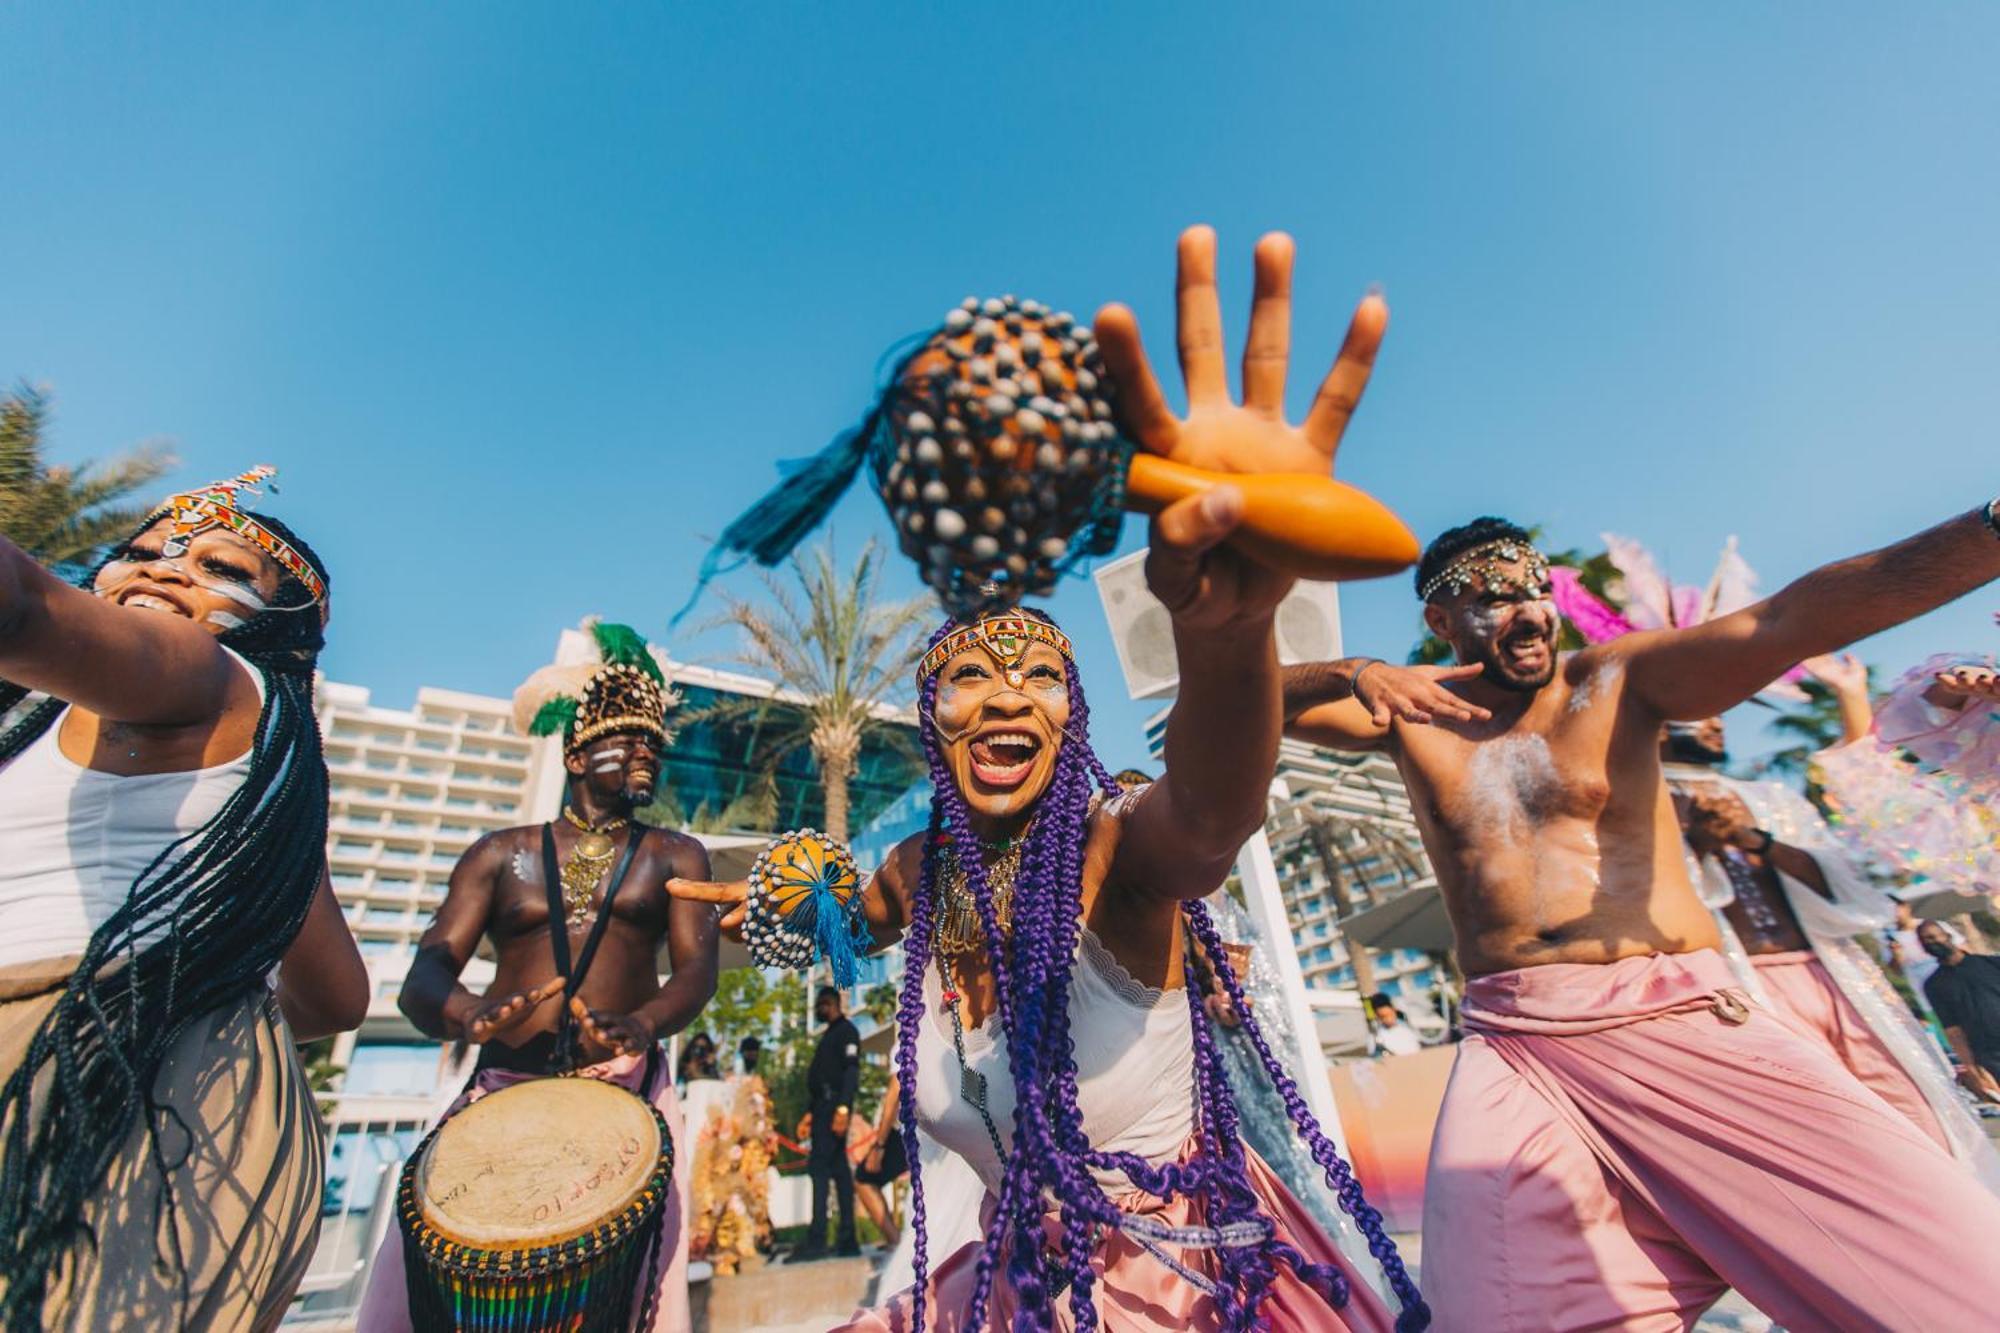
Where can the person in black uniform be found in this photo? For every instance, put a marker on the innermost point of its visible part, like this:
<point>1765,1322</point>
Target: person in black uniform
<point>832,1082</point>
<point>1965,995</point>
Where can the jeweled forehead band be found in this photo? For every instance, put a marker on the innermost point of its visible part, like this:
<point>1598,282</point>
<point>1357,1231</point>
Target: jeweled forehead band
<point>1006,638</point>
<point>214,506</point>
<point>1484,561</point>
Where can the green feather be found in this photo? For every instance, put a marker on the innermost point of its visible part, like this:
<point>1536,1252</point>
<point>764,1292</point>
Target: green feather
<point>555,717</point>
<point>624,646</point>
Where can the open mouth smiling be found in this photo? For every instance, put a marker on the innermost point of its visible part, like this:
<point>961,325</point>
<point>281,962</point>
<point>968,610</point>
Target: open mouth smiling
<point>155,599</point>
<point>1003,758</point>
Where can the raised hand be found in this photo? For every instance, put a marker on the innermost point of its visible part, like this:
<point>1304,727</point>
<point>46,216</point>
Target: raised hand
<point>606,1034</point>
<point>499,1013</point>
<point>1970,682</point>
<point>1843,673</point>
<point>1415,694</point>
<point>733,896</point>
<point>1203,585</point>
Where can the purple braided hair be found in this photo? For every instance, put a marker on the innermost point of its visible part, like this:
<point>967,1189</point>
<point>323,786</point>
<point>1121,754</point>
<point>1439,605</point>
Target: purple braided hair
<point>1051,1157</point>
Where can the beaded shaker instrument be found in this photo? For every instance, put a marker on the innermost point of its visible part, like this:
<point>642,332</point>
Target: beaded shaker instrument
<point>805,903</point>
<point>994,447</point>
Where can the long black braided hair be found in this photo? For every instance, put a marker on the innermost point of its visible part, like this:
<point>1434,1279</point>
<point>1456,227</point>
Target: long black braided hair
<point>201,927</point>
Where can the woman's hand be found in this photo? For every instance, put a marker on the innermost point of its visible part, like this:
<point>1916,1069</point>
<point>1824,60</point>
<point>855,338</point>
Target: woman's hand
<point>1969,682</point>
<point>1203,585</point>
<point>733,896</point>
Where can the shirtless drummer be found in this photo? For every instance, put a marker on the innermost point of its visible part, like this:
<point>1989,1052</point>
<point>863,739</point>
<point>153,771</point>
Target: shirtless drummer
<point>587,996</point>
<point>1624,1136</point>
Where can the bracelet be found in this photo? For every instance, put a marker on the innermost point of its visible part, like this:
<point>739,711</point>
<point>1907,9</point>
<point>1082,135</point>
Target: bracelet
<point>1764,848</point>
<point>1992,513</point>
<point>1354,683</point>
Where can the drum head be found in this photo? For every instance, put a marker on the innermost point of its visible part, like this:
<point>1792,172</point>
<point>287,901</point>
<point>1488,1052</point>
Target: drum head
<point>537,1163</point>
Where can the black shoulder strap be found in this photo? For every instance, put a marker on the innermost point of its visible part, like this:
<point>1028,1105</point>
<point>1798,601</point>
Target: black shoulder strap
<point>558,914</point>
<point>597,927</point>
<point>559,931</point>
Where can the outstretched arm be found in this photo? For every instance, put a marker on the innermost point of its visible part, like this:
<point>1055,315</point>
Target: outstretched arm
<point>1695,673</point>
<point>131,666</point>
<point>1349,704</point>
<point>1222,739</point>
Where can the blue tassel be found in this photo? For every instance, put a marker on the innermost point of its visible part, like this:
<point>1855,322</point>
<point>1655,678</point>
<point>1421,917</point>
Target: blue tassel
<point>768,531</point>
<point>836,929</point>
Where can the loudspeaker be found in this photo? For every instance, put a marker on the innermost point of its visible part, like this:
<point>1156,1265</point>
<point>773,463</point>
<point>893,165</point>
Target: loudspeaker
<point>1308,625</point>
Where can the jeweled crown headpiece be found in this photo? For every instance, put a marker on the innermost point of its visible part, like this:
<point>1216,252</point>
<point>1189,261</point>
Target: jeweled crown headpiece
<point>1484,562</point>
<point>1005,635</point>
<point>215,506</point>
<point>622,690</point>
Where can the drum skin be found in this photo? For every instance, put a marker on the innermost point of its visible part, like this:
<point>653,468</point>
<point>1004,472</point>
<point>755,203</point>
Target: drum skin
<point>537,1163</point>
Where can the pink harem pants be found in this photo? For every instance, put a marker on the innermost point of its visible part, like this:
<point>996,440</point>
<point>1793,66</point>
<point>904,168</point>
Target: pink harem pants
<point>1805,995</point>
<point>1621,1142</point>
<point>385,1306</point>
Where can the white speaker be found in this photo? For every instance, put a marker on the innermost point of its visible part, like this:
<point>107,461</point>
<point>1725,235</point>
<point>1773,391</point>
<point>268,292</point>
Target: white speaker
<point>1308,625</point>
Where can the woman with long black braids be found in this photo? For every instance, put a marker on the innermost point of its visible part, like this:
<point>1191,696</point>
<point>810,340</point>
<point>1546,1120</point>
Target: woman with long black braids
<point>167,928</point>
<point>1120,1192</point>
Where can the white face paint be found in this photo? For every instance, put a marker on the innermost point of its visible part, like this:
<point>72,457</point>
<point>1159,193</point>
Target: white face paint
<point>608,761</point>
<point>223,620</point>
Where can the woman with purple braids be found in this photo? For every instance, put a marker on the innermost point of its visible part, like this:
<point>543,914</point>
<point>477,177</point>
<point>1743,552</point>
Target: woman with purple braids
<point>1049,1031</point>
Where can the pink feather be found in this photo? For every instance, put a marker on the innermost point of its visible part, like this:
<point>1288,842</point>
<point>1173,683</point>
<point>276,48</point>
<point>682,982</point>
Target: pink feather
<point>1595,621</point>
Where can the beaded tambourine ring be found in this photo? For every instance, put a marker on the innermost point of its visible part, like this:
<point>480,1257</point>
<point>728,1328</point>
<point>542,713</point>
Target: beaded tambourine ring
<point>805,903</point>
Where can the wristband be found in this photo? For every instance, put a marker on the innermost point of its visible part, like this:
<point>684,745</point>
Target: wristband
<point>1992,513</point>
<point>1354,683</point>
<point>1764,848</point>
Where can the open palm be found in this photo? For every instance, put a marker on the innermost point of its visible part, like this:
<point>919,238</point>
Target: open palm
<point>1204,585</point>
<point>1218,434</point>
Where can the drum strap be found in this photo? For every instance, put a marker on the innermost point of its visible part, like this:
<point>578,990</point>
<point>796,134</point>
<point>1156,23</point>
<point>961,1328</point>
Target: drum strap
<point>559,933</point>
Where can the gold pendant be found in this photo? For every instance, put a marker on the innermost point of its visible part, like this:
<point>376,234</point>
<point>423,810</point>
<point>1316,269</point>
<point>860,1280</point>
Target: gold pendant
<point>579,874</point>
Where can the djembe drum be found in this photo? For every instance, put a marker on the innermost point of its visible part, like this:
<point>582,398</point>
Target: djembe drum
<point>536,1208</point>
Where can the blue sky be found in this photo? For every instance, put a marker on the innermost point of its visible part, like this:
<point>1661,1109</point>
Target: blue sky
<point>526,301</point>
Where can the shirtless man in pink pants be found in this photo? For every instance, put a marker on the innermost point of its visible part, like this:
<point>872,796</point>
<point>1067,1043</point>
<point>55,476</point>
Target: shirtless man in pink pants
<point>1625,1134</point>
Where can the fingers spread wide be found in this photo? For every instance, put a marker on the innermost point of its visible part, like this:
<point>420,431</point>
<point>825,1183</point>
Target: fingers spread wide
<point>1142,408</point>
<point>1268,347</point>
<point>1200,325</point>
<point>1340,392</point>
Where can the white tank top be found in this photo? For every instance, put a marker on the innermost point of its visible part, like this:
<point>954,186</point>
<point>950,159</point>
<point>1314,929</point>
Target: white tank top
<point>1134,1069</point>
<point>72,839</point>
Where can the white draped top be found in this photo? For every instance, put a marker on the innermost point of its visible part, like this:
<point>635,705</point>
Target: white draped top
<point>73,839</point>
<point>1134,1069</point>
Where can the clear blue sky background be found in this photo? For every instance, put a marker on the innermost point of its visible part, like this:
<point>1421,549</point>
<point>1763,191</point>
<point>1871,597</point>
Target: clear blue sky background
<point>527,300</point>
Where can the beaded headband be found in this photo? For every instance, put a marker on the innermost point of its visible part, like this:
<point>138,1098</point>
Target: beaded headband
<point>1005,637</point>
<point>1484,560</point>
<point>214,506</point>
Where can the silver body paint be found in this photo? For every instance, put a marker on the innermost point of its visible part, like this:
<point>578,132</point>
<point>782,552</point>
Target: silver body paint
<point>1514,790</point>
<point>1596,685</point>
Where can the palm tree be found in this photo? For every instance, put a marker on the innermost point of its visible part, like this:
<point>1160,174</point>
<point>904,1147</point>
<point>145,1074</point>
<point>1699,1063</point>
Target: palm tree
<point>845,656</point>
<point>63,516</point>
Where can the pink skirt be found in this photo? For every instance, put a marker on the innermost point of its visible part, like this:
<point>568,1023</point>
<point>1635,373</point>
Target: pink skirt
<point>1135,1293</point>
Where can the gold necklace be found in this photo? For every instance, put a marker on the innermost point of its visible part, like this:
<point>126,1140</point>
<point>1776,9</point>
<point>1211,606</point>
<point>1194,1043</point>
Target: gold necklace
<point>959,930</point>
<point>586,864</point>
